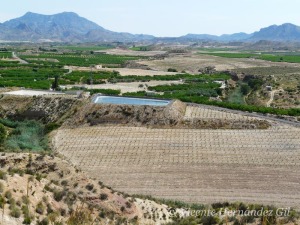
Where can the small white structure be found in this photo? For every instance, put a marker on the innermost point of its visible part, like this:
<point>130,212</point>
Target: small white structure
<point>98,67</point>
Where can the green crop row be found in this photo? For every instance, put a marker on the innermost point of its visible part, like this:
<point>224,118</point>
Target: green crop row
<point>5,55</point>
<point>36,78</point>
<point>185,77</point>
<point>233,55</point>
<point>81,60</point>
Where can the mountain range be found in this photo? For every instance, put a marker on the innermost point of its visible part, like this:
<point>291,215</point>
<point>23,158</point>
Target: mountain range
<point>70,27</point>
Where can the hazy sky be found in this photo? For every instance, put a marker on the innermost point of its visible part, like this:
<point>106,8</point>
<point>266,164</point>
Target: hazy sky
<point>167,17</point>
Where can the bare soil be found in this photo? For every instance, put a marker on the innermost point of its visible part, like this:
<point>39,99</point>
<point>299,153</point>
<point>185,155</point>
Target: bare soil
<point>193,165</point>
<point>125,71</point>
<point>119,51</point>
<point>192,62</point>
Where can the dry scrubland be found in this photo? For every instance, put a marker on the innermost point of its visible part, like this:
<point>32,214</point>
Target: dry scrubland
<point>49,190</point>
<point>193,165</point>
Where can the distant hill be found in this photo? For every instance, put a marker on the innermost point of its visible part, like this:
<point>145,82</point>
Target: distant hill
<point>224,37</point>
<point>66,26</point>
<point>284,32</point>
<point>70,27</point>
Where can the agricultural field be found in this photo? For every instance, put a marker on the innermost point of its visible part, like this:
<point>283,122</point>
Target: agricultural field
<point>29,77</point>
<point>5,55</point>
<point>180,163</point>
<point>290,58</point>
<point>75,65</point>
<point>80,60</point>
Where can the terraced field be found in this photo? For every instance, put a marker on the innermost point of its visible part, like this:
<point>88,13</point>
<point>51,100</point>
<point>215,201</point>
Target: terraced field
<point>206,112</point>
<point>204,166</point>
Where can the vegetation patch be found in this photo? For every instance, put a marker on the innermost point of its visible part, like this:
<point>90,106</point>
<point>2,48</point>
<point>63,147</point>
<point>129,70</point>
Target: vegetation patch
<point>82,59</point>
<point>268,57</point>
<point>24,136</point>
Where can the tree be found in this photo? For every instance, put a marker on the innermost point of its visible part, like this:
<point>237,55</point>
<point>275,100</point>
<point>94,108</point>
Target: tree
<point>55,83</point>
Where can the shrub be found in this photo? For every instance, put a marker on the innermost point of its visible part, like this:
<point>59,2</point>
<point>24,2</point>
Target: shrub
<point>51,126</point>
<point>89,187</point>
<point>64,183</point>
<point>70,198</point>
<point>58,195</point>
<point>8,195</point>
<point>172,70</point>
<point>103,196</point>
<point>62,211</point>
<point>102,214</point>
<point>40,208</point>
<point>25,200</point>
<point>15,212</point>
<point>80,216</point>
<point>2,201</point>
<point>25,211</point>
<point>1,187</point>
<point>220,205</point>
<point>2,133</point>
<point>49,209</point>
<point>27,220</point>
<point>45,221</point>
<point>128,205</point>
<point>209,220</point>
<point>2,175</point>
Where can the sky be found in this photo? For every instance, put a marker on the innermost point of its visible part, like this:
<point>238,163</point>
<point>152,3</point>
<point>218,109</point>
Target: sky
<point>167,17</point>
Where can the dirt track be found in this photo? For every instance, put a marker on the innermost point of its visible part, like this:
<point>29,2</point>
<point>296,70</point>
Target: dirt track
<point>204,166</point>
